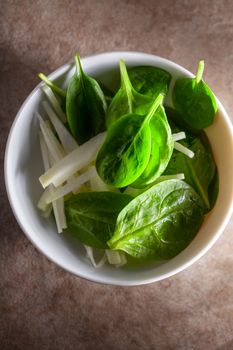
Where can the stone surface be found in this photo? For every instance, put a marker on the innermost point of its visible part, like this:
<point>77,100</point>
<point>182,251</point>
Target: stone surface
<point>44,307</point>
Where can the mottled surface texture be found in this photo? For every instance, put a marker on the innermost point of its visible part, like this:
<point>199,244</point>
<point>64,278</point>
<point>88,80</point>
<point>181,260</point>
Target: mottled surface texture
<point>44,307</point>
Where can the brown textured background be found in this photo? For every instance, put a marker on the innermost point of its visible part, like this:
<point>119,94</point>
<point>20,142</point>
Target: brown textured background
<point>44,307</point>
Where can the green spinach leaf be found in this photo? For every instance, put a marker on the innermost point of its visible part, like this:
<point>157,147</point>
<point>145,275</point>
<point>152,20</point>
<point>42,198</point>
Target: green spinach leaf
<point>161,149</point>
<point>85,105</point>
<point>127,100</point>
<point>126,150</point>
<point>213,189</point>
<point>150,81</point>
<point>159,223</point>
<point>174,117</point>
<point>91,216</point>
<point>198,171</point>
<point>194,100</point>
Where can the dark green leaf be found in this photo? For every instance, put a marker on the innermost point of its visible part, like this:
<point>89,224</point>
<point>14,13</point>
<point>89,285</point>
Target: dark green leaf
<point>198,171</point>
<point>85,106</point>
<point>91,216</point>
<point>126,150</point>
<point>108,94</point>
<point>194,100</point>
<point>160,222</point>
<point>150,81</point>
<point>106,90</point>
<point>213,190</point>
<point>176,118</point>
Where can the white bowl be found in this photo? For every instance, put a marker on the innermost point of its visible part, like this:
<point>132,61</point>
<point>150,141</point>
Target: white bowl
<point>23,165</point>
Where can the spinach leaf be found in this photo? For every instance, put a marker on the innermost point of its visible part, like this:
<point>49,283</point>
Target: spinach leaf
<point>126,150</point>
<point>108,94</point>
<point>198,171</point>
<point>159,223</point>
<point>174,117</point>
<point>194,100</point>
<point>213,190</point>
<point>85,106</point>
<point>161,149</point>
<point>91,216</point>
<point>127,100</point>
<point>150,81</point>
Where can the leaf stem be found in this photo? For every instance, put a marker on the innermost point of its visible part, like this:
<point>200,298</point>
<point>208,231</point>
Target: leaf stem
<point>78,64</point>
<point>125,81</point>
<point>200,71</point>
<point>158,101</point>
<point>52,85</point>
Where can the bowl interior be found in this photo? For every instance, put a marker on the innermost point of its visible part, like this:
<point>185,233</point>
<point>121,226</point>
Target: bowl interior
<point>23,166</point>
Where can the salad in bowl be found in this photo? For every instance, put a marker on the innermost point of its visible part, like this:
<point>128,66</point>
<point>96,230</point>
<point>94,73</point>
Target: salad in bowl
<point>127,171</point>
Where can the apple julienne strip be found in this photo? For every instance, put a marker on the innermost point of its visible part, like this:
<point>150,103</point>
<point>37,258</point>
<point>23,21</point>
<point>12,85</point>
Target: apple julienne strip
<point>67,140</point>
<point>73,162</point>
<point>179,136</point>
<point>90,256</point>
<point>58,205</point>
<point>69,187</point>
<point>54,146</point>
<point>183,149</point>
<point>115,257</point>
<point>55,104</point>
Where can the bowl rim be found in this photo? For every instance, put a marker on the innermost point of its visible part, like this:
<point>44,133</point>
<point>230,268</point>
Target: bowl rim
<point>95,278</point>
